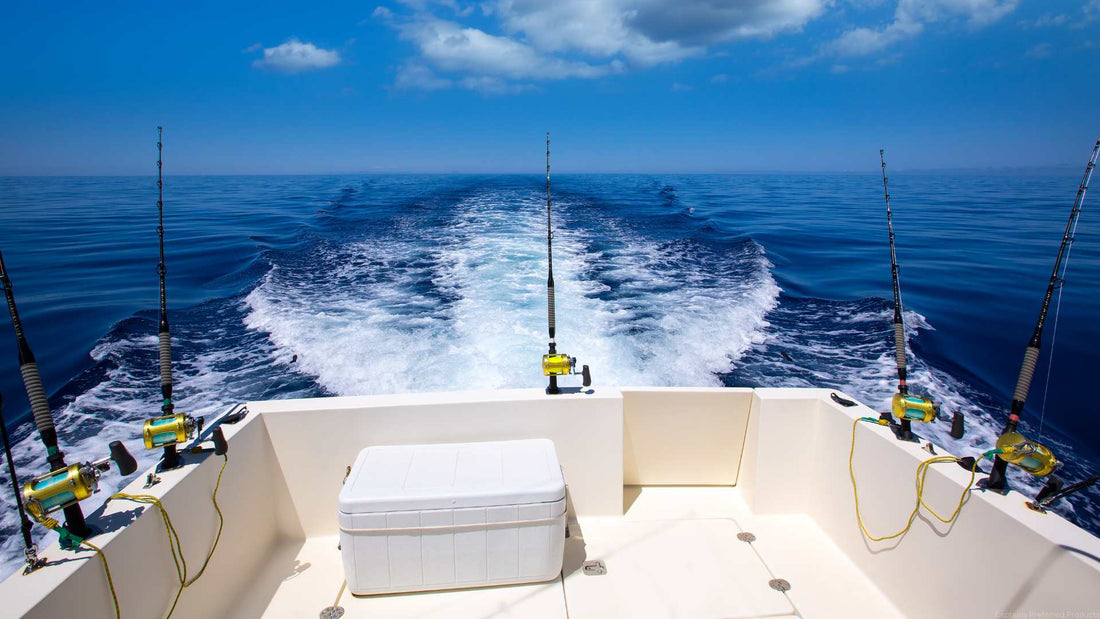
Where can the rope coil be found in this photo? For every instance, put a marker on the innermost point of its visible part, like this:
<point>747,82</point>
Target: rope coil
<point>922,472</point>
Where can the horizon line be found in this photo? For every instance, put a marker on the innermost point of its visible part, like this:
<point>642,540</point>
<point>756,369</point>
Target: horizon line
<point>1033,169</point>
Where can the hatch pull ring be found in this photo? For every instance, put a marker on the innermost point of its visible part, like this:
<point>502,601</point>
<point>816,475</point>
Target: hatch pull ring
<point>594,568</point>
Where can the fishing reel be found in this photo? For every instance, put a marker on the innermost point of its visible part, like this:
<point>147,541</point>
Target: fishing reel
<point>556,364</point>
<point>169,431</point>
<point>1030,456</point>
<point>1026,454</point>
<point>70,485</point>
<point>907,408</point>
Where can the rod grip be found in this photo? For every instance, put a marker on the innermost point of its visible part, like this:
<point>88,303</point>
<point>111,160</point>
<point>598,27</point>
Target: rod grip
<point>1031,358</point>
<point>40,406</point>
<point>165,349</point>
<point>899,345</point>
<point>550,306</point>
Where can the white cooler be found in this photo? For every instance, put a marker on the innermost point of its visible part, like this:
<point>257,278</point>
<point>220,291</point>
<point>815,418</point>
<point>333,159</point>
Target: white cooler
<point>422,517</point>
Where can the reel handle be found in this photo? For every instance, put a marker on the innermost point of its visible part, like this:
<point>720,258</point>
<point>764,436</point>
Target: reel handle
<point>126,462</point>
<point>958,425</point>
<point>586,376</point>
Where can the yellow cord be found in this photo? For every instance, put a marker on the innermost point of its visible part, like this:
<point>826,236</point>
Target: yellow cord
<point>53,525</point>
<point>106,570</point>
<point>922,471</point>
<point>175,546</point>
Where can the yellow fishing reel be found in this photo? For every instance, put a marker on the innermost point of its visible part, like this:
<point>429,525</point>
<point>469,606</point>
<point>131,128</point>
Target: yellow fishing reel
<point>169,431</point>
<point>1018,450</point>
<point>64,487</point>
<point>913,408</point>
<point>557,364</point>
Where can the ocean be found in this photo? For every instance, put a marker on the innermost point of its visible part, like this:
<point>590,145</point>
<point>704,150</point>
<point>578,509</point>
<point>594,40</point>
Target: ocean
<point>305,286</point>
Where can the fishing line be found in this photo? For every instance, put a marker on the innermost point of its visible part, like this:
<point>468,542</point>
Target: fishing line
<point>1054,333</point>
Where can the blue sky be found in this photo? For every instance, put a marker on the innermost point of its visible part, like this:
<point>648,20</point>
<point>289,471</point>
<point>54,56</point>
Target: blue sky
<point>623,85</point>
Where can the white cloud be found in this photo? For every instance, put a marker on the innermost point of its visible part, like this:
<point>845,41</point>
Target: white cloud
<point>910,17</point>
<point>648,32</point>
<point>487,85</point>
<point>381,12</point>
<point>539,40</point>
<point>1091,10</point>
<point>1042,50</point>
<point>1052,20</point>
<point>678,87</point>
<point>418,77</point>
<point>864,41</point>
<point>295,56</point>
<point>721,78</point>
<point>450,47</point>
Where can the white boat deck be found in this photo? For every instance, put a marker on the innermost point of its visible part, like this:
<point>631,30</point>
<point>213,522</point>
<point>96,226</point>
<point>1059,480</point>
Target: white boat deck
<point>674,553</point>
<point>660,482</point>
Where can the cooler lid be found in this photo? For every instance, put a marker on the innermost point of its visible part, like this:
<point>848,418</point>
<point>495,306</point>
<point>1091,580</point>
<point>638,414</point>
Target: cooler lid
<point>422,477</point>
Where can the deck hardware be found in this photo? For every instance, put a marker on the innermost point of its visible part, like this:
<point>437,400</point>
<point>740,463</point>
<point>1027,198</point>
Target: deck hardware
<point>1035,507</point>
<point>594,568</point>
<point>779,584</point>
<point>841,401</point>
<point>930,448</point>
<point>745,536</point>
<point>151,480</point>
<point>235,417</point>
<point>347,474</point>
<point>332,612</point>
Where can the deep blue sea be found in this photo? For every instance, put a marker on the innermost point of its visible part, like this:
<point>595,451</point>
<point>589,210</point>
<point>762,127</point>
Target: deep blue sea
<point>297,286</point>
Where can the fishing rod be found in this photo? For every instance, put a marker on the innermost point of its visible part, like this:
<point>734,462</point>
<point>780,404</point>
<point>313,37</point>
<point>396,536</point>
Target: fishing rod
<point>553,363</point>
<point>906,407</point>
<point>40,407</point>
<point>169,429</point>
<point>66,484</point>
<point>164,336</point>
<point>1015,448</point>
<point>30,549</point>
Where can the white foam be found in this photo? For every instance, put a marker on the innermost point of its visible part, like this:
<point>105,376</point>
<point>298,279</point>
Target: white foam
<point>361,323</point>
